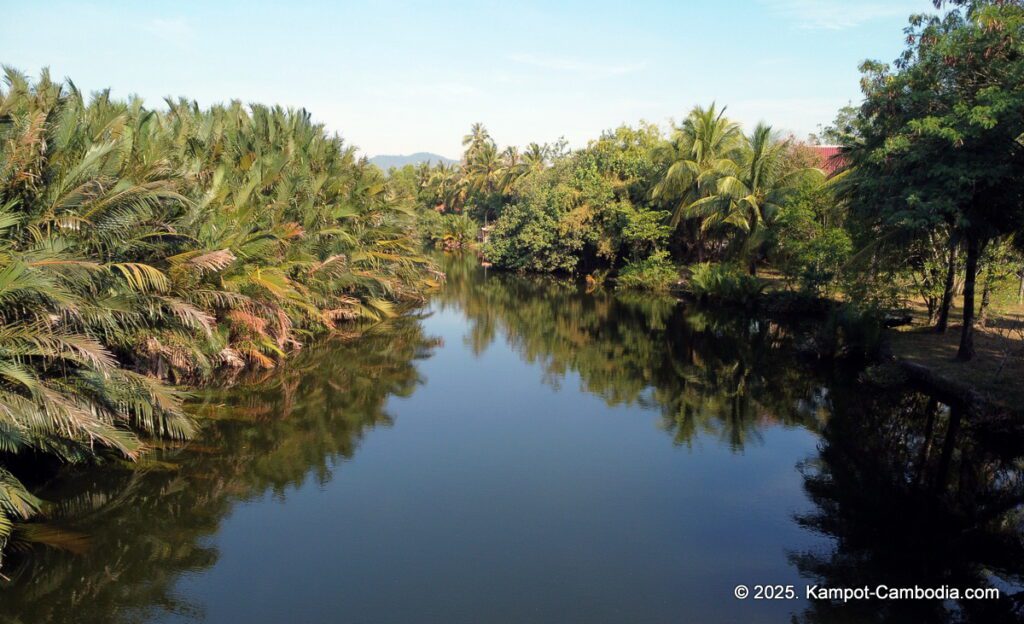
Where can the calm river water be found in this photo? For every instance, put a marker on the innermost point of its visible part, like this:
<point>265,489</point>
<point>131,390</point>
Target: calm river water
<point>525,451</point>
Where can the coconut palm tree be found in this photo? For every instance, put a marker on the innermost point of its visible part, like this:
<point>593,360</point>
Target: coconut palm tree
<point>535,157</point>
<point>702,150</point>
<point>746,199</point>
<point>448,188</point>
<point>477,138</point>
<point>485,169</point>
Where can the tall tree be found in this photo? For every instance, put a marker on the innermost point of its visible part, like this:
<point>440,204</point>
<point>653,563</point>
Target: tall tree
<point>746,199</point>
<point>941,135</point>
<point>477,138</point>
<point>701,151</point>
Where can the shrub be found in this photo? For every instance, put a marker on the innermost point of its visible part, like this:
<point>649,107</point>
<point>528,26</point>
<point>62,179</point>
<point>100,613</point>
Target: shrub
<point>532,236</point>
<point>723,282</point>
<point>447,231</point>
<point>808,252</point>
<point>656,273</point>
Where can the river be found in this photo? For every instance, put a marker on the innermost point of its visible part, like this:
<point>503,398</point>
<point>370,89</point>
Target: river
<point>522,450</point>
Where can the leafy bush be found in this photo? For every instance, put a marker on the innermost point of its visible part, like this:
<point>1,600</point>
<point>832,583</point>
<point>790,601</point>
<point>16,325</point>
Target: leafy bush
<point>592,205</point>
<point>537,234</point>
<point>448,231</point>
<point>820,260</point>
<point>723,282</point>
<point>807,252</point>
<point>656,273</point>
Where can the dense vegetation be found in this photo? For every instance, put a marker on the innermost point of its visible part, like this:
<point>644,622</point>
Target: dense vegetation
<point>937,153</point>
<point>923,201</point>
<point>139,247</point>
<point>632,201</point>
<point>143,249</point>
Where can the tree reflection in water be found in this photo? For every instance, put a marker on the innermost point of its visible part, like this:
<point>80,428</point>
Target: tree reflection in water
<point>910,492</point>
<point>712,372</point>
<point>147,526</point>
<point>915,494</point>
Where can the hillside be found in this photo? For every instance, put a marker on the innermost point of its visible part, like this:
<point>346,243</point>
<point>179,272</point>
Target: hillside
<point>387,161</point>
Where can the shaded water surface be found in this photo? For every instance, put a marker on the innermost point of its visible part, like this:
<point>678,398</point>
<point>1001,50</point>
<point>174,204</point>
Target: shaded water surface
<point>525,451</point>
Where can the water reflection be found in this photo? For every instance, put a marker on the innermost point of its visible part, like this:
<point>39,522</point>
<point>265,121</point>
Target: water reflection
<point>903,490</point>
<point>146,527</point>
<point>914,494</point>
<point>708,372</point>
<point>911,493</point>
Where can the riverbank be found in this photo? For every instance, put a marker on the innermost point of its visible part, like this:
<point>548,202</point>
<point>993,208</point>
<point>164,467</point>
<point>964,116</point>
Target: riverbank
<point>984,384</point>
<point>991,378</point>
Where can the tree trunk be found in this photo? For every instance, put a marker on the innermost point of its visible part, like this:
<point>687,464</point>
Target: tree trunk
<point>986,283</point>
<point>1020,291</point>
<point>966,351</point>
<point>948,446</point>
<point>926,446</point>
<point>947,290</point>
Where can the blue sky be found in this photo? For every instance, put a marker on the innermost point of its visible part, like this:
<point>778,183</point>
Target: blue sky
<point>399,77</point>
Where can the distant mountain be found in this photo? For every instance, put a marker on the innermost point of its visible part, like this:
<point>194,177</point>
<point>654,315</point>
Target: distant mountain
<point>386,162</point>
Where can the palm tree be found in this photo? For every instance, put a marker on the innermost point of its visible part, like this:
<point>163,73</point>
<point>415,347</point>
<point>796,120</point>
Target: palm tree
<point>170,244</point>
<point>485,168</point>
<point>536,156</point>
<point>447,188</point>
<point>516,166</point>
<point>747,199</point>
<point>702,150</point>
<point>513,167</point>
<point>477,138</point>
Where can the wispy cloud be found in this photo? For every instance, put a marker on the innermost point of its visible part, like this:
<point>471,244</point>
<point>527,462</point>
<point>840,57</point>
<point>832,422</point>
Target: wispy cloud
<point>174,30</point>
<point>840,14</point>
<point>574,65</point>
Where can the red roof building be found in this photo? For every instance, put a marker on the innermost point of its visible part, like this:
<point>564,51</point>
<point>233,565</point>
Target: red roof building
<point>831,158</point>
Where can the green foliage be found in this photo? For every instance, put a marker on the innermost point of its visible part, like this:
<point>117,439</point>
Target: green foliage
<point>643,231</point>
<point>538,234</point>
<point>625,195</point>
<point>937,141</point>
<point>806,246</point>
<point>842,131</point>
<point>137,245</point>
<point>727,188</point>
<point>447,231</point>
<point>723,282</point>
<point>822,258</point>
<point>655,273</point>
<point>589,207</point>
